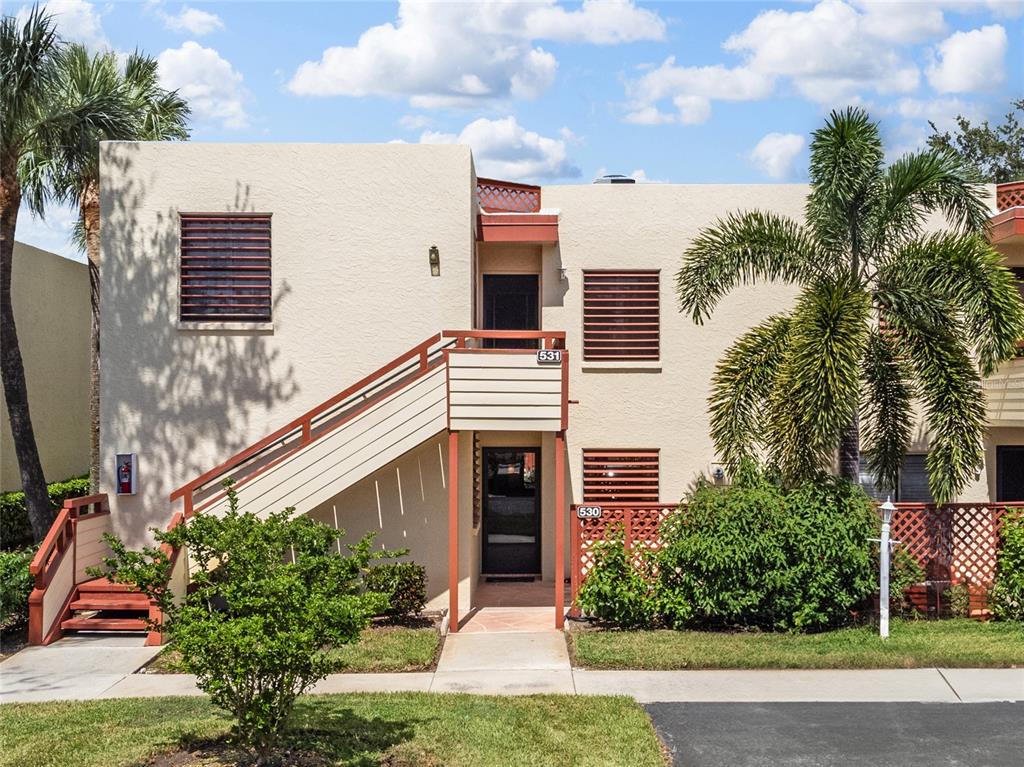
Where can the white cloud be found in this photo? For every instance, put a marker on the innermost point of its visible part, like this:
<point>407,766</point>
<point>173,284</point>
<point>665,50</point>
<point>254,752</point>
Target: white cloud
<point>601,22</point>
<point>774,153</point>
<point>691,90</point>
<point>76,20</point>
<point>52,233</point>
<point>211,85</point>
<point>453,54</point>
<point>504,149</point>
<point>640,176</point>
<point>902,22</point>
<point>832,51</point>
<point>415,122</point>
<point>192,20</point>
<point>969,61</point>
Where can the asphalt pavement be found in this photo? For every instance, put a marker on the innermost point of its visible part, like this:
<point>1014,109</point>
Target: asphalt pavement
<point>847,734</point>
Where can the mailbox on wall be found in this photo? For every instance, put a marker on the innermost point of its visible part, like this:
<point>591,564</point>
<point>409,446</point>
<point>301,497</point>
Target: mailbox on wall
<point>126,474</point>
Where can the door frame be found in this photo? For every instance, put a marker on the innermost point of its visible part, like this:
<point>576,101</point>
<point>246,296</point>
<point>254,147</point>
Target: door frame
<point>538,505</point>
<point>1001,451</point>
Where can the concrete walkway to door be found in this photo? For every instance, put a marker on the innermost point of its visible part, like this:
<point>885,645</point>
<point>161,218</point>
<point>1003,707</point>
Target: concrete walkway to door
<point>507,644</point>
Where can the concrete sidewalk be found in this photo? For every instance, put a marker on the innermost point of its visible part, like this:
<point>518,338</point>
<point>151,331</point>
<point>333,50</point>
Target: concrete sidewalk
<point>507,664</point>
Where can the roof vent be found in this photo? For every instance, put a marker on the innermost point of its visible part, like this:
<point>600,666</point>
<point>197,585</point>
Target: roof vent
<point>614,178</point>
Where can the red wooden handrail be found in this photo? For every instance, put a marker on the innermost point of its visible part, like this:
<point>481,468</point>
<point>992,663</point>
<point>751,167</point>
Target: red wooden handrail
<point>551,339</point>
<point>52,548</point>
<point>305,422</point>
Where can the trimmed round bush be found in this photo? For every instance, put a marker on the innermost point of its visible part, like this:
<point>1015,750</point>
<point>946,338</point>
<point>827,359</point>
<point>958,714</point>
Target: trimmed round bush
<point>404,584</point>
<point>755,554</point>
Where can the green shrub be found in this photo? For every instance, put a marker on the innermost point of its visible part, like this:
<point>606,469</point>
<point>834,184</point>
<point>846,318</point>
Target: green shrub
<point>904,572</point>
<point>755,554</point>
<point>15,586</point>
<point>1007,596</point>
<point>620,587</point>
<point>403,584</point>
<point>15,529</point>
<point>268,600</point>
<point>958,597</point>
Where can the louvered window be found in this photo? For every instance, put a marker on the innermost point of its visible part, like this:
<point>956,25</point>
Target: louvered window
<point>620,316</point>
<point>620,476</point>
<point>225,267</point>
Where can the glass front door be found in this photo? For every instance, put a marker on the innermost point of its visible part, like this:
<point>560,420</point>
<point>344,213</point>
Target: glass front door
<point>1010,473</point>
<point>511,511</point>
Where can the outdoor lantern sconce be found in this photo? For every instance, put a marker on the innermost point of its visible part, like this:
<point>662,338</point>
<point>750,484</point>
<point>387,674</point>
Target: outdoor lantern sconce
<point>435,261</point>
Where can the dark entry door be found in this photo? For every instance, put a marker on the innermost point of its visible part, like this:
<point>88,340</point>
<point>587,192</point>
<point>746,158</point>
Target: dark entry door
<point>1010,473</point>
<point>510,303</point>
<point>511,511</point>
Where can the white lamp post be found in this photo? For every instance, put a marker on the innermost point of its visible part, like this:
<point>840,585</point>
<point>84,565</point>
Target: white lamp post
<point>883,576</point>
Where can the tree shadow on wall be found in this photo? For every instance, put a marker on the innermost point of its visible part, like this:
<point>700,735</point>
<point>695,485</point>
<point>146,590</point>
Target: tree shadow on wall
<point>184,400</point>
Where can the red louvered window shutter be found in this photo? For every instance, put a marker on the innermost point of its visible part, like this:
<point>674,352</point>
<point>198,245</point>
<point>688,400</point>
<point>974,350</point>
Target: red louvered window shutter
<point>621,318</point>
<point>225,267</point>
<point>620,476</point>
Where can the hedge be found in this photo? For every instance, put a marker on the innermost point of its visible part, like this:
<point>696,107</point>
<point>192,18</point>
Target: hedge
<point>15,530</point>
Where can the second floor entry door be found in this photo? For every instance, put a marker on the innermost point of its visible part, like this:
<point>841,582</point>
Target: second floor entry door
<point>511,303</point>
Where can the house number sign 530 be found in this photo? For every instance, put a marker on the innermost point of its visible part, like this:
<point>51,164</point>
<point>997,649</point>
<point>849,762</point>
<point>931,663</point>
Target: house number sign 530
<point>588,512</point>
<point>548,356</point>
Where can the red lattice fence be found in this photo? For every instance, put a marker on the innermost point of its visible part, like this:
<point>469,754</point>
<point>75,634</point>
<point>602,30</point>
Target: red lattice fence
<point>957,543</point>
<point>1010,195</point>
<point>507,197</point>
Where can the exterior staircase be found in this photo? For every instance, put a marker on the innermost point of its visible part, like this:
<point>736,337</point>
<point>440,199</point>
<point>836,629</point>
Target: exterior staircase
<point>453,380</point>
<point>99,605</point>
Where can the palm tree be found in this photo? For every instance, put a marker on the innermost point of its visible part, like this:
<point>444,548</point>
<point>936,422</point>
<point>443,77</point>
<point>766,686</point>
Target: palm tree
<point>151,113</point>
<point>32,125</point>
<point>888,317</point>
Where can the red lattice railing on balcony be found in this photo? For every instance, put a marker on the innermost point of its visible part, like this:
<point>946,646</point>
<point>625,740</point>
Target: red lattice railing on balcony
<point>957,543</point>
<point>496,196</point>
<point>1010,195</point>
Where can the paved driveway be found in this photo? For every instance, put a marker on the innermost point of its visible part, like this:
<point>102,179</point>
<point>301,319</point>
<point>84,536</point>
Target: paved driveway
<point>847,734</point>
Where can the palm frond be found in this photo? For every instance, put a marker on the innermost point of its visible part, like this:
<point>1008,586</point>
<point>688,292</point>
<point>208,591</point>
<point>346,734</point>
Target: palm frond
<point>845,167</point>
<point>968,273</point>
<point>742,248</point>
<point>950,388</point>
<point>887,416</point>
<point>817,388</point>
<point>920,183</point>
<point>740,388</point>
<point>27,68</point>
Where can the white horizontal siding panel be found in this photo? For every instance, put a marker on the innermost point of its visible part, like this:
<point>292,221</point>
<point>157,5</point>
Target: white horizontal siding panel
<point>505,424</point>
<point>518,386</point>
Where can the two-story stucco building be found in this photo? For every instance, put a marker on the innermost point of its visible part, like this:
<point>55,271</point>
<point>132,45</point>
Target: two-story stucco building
<point>378,338</point>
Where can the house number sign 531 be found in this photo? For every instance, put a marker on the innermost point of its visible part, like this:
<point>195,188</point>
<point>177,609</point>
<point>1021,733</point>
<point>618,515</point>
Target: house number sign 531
<point>549,356</point>
<point>588,512</point>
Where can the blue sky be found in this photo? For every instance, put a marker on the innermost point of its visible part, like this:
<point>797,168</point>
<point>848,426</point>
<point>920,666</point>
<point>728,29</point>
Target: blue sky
<point>560,92</point>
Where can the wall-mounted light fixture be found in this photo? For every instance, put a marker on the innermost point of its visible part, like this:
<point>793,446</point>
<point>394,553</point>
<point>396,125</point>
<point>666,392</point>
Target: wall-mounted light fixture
<point>562,274</point>
<point>435,261</point>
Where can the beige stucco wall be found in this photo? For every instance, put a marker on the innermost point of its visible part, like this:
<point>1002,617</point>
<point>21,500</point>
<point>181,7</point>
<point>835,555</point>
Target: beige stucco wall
<point>50,295</point>
<point>645,405</point>
<point>352,225</point>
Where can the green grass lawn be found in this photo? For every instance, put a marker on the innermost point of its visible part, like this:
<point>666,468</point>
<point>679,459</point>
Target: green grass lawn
<point>911,644</point>
<point>379,649</point>
<point>423,729</point>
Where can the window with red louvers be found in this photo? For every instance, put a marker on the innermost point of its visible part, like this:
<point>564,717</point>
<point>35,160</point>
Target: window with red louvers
<point>225,267</point>
<point>620,476</point>
<point>621,320</point>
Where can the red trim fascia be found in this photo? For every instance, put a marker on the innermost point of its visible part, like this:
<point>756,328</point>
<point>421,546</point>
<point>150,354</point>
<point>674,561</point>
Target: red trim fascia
<point>565,391</point>
<point>1006,225</point>
<point>559,529</point>
<point>517,227</point>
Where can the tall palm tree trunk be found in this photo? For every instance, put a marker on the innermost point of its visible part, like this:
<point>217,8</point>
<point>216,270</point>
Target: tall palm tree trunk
<point>849,451</point>
<point>91,221</point>
<point>12,369</point>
